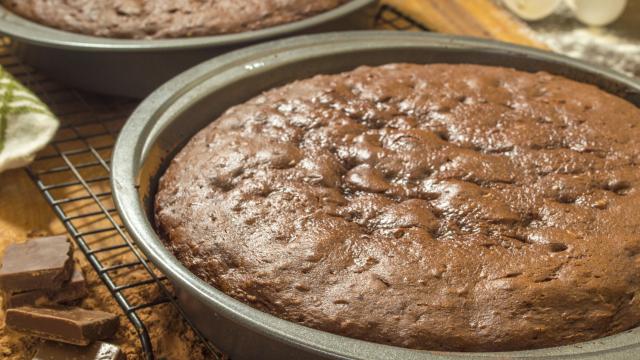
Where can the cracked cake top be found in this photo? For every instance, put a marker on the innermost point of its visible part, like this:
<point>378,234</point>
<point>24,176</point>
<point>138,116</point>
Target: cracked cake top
<point>441,207</point>
<point>154,19</point>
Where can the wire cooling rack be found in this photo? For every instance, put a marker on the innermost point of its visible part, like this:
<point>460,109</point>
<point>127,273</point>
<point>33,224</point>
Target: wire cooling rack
<point>73,175</point>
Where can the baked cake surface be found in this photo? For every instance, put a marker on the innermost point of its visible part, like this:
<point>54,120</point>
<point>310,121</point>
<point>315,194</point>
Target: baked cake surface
<point>150,19</point>
<point>442,207</point>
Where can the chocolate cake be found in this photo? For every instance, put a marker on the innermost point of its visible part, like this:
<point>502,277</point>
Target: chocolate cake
<point>149,19</point>
<point>440,207</point>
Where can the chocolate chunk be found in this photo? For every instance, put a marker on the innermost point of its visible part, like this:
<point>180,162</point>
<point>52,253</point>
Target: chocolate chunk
<point>74,289</point>
<point>33,297</point>
<point>40,263</point>
<point>99,350</point>
<point>65,324</point>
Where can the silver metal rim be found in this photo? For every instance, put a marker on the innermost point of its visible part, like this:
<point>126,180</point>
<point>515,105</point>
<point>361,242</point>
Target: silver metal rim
<point>31,32</point>
<point>158,109</point>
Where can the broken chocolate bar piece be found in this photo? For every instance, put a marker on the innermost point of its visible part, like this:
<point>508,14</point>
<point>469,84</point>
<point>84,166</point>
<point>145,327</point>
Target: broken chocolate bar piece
<point>71,325</point>
<point>49,350</point>
<point>74,289</point>
<point>40,263</point>
<point>33,297</point>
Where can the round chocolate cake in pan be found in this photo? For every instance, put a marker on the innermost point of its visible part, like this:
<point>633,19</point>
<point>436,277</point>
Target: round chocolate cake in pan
<point>441,207</point>
<point>153,19</point>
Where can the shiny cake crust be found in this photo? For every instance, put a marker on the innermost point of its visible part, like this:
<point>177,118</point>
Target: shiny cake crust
<point>441,207</point>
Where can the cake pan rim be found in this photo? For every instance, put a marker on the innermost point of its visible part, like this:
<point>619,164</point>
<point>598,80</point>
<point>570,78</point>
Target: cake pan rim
<point>34,33</point>
<point>125,163</point>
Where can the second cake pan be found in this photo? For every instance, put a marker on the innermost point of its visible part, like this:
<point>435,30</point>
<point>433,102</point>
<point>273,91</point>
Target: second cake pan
<point>134,68</point>
<point>167,119</point>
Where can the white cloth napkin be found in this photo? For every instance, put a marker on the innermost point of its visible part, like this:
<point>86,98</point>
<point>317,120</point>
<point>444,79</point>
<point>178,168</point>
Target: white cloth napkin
<point>26,124</point>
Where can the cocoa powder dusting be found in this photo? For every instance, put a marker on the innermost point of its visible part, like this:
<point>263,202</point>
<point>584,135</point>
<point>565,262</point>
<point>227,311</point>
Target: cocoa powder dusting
<point>170,335</point>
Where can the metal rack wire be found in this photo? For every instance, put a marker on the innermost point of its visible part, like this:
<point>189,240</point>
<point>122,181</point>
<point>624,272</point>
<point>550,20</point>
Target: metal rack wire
<point>389,17</point>
<point>73,175</point>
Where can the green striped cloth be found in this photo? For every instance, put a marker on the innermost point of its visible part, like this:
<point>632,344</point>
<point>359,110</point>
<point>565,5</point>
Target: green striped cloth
<point>26,124</point>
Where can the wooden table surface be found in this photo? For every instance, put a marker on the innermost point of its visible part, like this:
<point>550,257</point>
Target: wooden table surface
<point>23,210</point>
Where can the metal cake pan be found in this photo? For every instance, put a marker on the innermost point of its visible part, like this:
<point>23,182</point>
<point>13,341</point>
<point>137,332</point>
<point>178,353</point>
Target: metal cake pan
<point>134,68</point>
<point>168,118</point>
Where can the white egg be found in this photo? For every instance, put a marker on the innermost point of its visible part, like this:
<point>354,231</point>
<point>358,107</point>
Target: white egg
<point>532,9</point>
<point>597,12</point>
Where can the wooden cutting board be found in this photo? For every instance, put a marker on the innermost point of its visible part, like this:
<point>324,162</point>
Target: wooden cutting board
<point>479,18</point>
